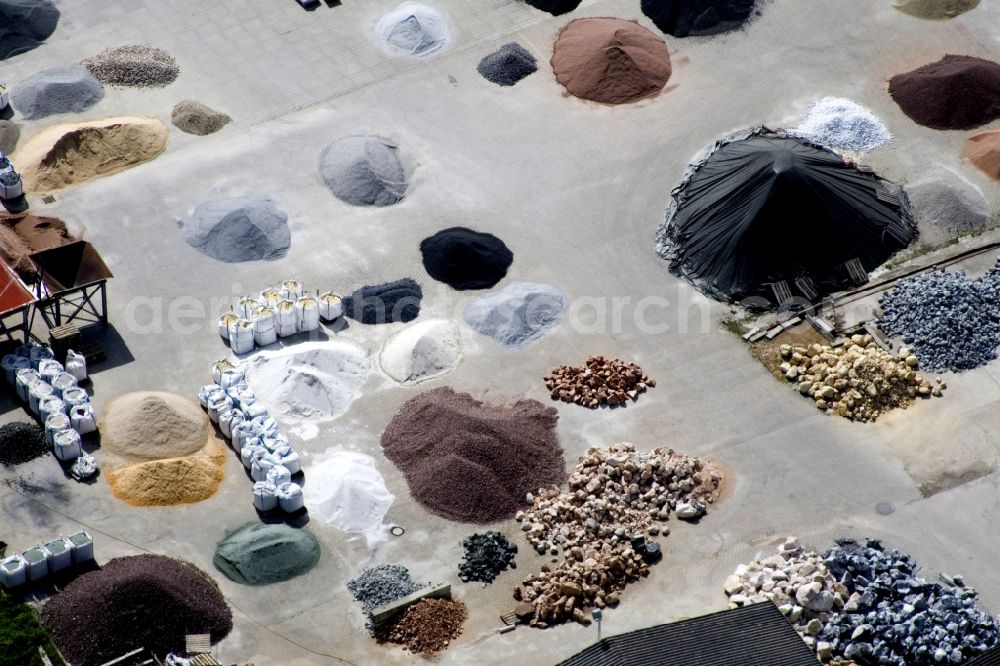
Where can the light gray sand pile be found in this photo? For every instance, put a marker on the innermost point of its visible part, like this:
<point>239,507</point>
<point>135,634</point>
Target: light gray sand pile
<point>10,132</point>
<point>196,118</point>
<point>133,66</point>
<point>363,171</point>
<point>65,89</point>
<point>517,314</point>
<point>258,554</point>
<point>944,199</point>
<point>413,30</point>
<point>239,229</point>
<point>422,351</point>
<point>24,24</point>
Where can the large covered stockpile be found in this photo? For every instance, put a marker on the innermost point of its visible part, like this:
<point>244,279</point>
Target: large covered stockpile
<point>766,219</point>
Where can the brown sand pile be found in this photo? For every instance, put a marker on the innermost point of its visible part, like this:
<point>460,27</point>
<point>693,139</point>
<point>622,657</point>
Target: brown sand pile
<point>180,480</point>
<point>983,150</point>
<point>69,154</point>
<point>610,60</point>
<point>428,626</point>
<point>936,10</point>
<point>22,234</point>
<point>153,425</point>
<point>957,92</point>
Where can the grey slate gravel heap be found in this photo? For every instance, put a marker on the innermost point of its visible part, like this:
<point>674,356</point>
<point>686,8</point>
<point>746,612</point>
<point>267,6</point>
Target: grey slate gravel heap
<point>951,322</point>
<point>21,442</point>
<point>486,556</point>
<point>507,65</point>
<point>25,24</point>
<point>239,229</point>
<point>894,618</point>
<point>195,118</point>
<point>10,132</point>
<point>133,66</point>
<point>364,171</point>
<point>65,89</point>
<point>377,586</point>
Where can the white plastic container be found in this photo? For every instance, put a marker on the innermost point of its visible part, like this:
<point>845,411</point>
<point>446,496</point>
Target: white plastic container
<point>231,378</point>
<point>12,191</point>
<point>38,564</point>
<point>263,496</point>
<point>242,433</point>
<point>83,419</point>
<point>14,571</point>
<point>270,297</point>
<point>292,462</point>
<point>307,313</point>
<point>259,467</point>
<point>254,410</point>
<point>59,553</point>
<point>241,336</point>
<point>56,423</point>
<point>291,290</point>
<point>49,369</point>
<point>66,445</point>
<point>208,393</point>
<point>11,363</point>
<point>265,337</point>
<point>218,406</point>
<point>277,444</point>
<point>63,381</point>
<point>331,306</point>
<point>279,475</point>
<point>250,451</point>
<point>266,319</point>
<point>221,366</point>
<point>83,547</point>
<point>76,365</point>
<point>246,306</point>
<point>37,392</point>
<point>265,425</point>
<point>75,396</point>
<point>4,97</point>
<point>49,406</point>
<point>290,497</point>
<point>228,420</point>
<point>225,321</point>
<point>39,353</point>
<point>25,378</point>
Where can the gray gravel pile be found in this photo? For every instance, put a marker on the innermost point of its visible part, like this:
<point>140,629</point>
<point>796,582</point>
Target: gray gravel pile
<point>24,24</point>
<point>377,586</point>
<point>65,89</point>
<point>895,618</point>
<point>363,171</point>
<point>507,65</point>
<point>10,132</point>
<point>518,314</point>
<point>951,322</point>
<point>945,200</point>
<point>239,229</point>
<point>133,66</point>
<point>196,118</point>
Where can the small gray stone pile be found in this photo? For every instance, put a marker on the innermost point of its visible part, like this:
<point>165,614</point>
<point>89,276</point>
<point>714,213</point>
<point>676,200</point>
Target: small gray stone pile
<point>133,66</point>
<point>377,586</point>
<point>952,322</point>
<point>894,618</point>
<point>64,89</point>
<point>507,65</point>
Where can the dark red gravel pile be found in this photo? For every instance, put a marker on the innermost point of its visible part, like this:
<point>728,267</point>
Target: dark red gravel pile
<point>471,461</point>
<point>428,626</point>
<point>146,601</point>
<point>956,92</point>
<point>21,442</point>
<point>465,259</point>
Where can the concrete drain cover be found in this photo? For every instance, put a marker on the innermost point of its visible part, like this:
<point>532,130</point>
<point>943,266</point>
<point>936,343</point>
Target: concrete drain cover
<point>885,508</point>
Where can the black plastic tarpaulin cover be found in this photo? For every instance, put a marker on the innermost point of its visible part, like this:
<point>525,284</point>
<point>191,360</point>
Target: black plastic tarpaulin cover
<point>764,217</point>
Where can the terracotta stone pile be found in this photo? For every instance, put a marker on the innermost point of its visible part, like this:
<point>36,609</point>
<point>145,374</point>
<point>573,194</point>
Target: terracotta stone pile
<point>858,380</point>
<point>798,583</point>
<point>428,626</point>
<point>600,523</point>
<point>600,381</point>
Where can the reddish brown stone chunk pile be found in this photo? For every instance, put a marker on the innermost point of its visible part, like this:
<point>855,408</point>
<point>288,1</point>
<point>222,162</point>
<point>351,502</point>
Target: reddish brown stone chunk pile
<point>600,381</point>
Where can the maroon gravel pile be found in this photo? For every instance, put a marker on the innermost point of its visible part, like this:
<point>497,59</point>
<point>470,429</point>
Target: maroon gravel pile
<point>146,601</point>
<point>428,626</point>
<point>470,461</point>
<point>956,92</point>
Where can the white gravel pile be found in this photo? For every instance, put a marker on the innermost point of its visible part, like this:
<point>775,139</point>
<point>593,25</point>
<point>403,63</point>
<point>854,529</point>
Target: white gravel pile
<point>842,124</point>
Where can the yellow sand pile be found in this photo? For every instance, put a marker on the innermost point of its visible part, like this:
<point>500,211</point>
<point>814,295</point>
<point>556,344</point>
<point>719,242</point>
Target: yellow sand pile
<point>69,154</point>
<point>167,448</point>
<point>181,480</point>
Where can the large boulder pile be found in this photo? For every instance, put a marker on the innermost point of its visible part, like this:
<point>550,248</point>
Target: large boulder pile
<point>857,380</point>
<point>600,524</point>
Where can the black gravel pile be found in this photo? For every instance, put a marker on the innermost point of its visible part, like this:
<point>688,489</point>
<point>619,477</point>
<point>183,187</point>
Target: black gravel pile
<point>898,619</point>
<point>554,7</point>
<point>385,303</point>
<point>951,322</point>
<point>147,601</point>
<point>21,442</point>
<point>466,259</point>
<point>507,65</point>
<point>698,17</point>
<point>486,556</point>
<point>377,586</point>
<point>24,24</point>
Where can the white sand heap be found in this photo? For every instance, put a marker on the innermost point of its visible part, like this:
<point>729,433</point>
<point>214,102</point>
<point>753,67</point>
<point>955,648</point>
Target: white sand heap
<point>316,380</point>
<point>422,351</point>
<point>413,30</point>
<point>69,154</point>
<point>346,491</point>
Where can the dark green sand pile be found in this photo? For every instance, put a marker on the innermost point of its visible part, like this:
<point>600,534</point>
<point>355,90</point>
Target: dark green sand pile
<point>258,554</point>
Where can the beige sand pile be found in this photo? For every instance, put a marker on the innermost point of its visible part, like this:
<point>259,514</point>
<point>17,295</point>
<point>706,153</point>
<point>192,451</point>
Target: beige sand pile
<point>983,151</point>
<point>935,10</point>
<point>181,480</point>
<point>69,154</point>
<point>152,425</point>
